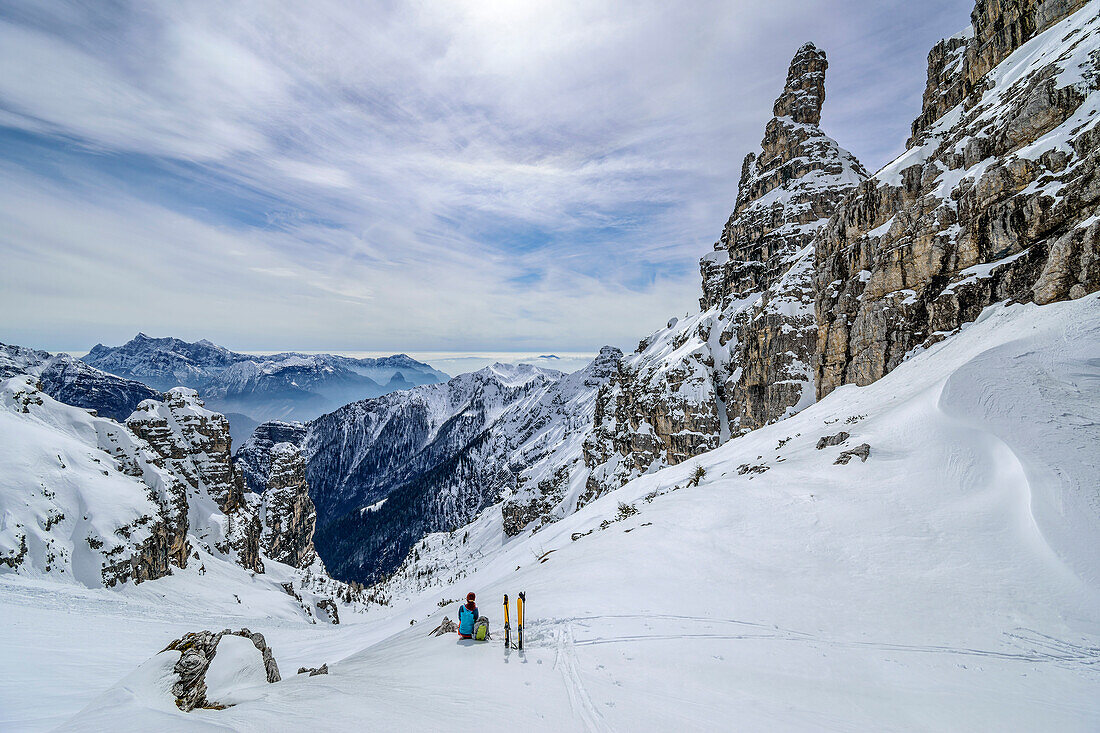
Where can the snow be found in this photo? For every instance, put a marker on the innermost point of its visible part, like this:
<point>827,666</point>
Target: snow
<point>950,582</point>
<point>237,666</point>
<point>980,271</point>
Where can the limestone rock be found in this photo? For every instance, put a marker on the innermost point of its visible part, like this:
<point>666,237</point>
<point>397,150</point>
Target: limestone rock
<point>194,444</point>
<point>746,359</point>
<point>66,528</point>
<point>287,514</point>
<point>862,452</point>
<point>197,651</point>
<point>827,440</point>
<point>253,458</point>
<point>447,627</point>
<point>995,199</point>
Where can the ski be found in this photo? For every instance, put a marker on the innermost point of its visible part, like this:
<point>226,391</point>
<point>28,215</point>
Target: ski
<point>507,624</point>
<point>519,613</point>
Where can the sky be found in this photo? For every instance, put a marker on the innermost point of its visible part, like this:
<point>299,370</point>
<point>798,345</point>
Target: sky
<point>481,175</point>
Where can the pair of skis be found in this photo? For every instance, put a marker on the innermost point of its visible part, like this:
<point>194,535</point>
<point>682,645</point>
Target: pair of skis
<point>508,624</point>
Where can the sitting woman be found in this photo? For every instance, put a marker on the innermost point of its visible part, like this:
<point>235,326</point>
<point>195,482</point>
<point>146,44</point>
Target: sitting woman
<point>467,617</point>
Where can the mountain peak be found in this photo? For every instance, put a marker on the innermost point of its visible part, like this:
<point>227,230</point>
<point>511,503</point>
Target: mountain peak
<point>804,93</point>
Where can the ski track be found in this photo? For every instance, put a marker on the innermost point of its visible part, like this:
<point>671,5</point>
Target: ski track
<point>1034,646</point>
<point>566,662</point>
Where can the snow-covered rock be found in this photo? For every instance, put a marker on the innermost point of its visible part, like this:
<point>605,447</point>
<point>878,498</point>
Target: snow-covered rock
<point>745,359</point>
<point>287,514</point>
<point>208,669</point>
<point>253,457</point>
<point>81,497</point>
<point>194,444</point>
<point>996,198</point>
<point>73,382</point>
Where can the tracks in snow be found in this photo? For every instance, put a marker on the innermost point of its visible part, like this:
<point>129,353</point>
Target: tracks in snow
<point>566,663</point>
<point>1026,645</point>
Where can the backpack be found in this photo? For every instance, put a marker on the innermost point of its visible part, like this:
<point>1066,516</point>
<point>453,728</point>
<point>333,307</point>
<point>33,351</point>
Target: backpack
<point>481,629</point>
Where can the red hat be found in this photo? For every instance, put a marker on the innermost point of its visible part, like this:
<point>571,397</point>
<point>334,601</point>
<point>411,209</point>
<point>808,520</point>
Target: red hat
<point>470,596</point>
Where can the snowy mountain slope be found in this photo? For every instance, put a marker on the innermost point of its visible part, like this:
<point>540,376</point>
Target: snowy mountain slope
<point>928,587</point>
<point>285,385</point>
<point>438,454</point>
<point>83,500</point>
<point>70,380</point>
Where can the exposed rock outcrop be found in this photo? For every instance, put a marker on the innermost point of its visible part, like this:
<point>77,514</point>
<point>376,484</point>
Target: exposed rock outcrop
<point>197,651</point>
<point>553,474</point>
<point>88,499</point>
<point>995,199</point>
<point>287,514</point>
<point>194,444</point>
<point>253,458</point>
<point>314,671</point>
<point>745,360</point>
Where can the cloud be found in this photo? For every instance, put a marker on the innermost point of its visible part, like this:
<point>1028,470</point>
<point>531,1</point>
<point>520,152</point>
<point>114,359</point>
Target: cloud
<point>481,174</point>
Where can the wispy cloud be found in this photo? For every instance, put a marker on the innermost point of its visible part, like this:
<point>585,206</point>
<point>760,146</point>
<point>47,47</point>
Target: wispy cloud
<point>482,174</point>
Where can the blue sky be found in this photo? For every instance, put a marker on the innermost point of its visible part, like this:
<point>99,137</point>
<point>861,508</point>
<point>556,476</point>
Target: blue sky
<point>444,176</point>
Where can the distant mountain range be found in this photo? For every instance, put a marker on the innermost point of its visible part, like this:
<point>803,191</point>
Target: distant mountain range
<point>383,472</point>
<point>69,380</point>
<point>248,388</point>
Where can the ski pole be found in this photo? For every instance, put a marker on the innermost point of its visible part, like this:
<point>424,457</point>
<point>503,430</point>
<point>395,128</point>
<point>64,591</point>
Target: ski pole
<point>507,624</point>
<point>519,612</point>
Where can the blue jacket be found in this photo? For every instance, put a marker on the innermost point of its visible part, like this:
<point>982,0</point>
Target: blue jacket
<point>466,619</point>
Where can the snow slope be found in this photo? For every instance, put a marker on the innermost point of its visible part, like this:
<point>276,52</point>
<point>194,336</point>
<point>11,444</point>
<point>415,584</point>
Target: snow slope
<point>950,582</point>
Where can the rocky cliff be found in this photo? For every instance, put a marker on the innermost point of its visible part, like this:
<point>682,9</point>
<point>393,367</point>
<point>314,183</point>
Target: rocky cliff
<point>995,198</point>
<point>745,359</point>
<point>253,458</point>
<point>287,514</point>
<point>194,444</point>
<point>82,498</point>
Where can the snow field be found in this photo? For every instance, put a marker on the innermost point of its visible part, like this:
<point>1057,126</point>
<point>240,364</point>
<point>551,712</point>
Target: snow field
<point>947,583</point>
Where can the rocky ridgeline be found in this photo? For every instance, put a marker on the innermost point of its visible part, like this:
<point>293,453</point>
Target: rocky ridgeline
<point>194,444</point>
<point>287,513</point>
<point>385,472</point>
<point>996,197</point>
<point>745,359</point>
<point>550,436</point>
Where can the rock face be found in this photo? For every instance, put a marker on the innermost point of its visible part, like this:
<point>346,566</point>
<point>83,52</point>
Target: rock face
<point>73,382</point>
<point>745,359</point>
<point>194,445</point>
<point>996,197</point>
<point>253,458</point>
<point>197,651</point>
<point>287,514</point>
